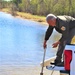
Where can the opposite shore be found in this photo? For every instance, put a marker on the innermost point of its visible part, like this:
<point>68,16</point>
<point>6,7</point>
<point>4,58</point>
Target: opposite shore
<point>40,19</point>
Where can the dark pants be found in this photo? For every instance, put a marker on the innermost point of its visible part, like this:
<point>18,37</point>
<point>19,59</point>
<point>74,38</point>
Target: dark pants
<point>62,45</point>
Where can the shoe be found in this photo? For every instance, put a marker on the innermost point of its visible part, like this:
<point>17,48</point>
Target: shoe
<point>60,64</point>
<point>55,62</point>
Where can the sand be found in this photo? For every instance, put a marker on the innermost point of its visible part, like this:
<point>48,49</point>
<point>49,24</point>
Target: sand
<point>24,70</point>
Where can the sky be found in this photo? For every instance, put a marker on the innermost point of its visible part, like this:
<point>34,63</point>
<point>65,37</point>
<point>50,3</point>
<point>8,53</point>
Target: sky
<point>7,0</point>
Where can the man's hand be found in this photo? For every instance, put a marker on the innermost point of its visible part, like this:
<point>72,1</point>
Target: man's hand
<point>56,44</point>
<point>44,44</point>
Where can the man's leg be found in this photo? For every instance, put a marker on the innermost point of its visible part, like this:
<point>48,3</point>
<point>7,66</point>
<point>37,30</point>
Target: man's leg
<point>60,52</point>
<point>59,55</point>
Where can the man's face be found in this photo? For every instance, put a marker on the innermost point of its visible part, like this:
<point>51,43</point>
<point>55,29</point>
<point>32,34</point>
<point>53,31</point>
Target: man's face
<point>52,22</point>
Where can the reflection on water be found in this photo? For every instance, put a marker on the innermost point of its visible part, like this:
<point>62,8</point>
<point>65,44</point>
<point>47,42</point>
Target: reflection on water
<point>21,41</point>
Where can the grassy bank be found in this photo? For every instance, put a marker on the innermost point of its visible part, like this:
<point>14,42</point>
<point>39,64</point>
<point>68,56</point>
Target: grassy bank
<point>29,16</point>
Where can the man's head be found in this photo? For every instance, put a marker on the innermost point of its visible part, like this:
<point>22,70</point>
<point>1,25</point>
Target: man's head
<point>51,19</point>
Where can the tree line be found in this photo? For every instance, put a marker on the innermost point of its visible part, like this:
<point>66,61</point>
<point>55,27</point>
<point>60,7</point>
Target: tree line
<point>42,7</point>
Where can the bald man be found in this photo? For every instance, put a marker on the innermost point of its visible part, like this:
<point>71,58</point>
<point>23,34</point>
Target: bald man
<point>64,25</point>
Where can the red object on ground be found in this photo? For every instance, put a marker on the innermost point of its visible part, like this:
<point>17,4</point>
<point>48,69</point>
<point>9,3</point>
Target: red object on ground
<point>67,59</point>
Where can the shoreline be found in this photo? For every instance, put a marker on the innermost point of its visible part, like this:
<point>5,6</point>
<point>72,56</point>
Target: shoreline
<point>22,70</point>
<point>28,16</point>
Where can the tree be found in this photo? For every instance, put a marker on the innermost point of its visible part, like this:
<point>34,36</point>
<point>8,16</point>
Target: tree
<point>16,3</point>
<point>43,7</point>
<point>25,6</point>
<point>1,4</point>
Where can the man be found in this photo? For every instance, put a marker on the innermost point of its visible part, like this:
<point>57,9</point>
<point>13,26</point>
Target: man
<point>64,25</point>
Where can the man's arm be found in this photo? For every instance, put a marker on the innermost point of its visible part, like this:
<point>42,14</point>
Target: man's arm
<point>65,34</point>
<point>47,35</point>
<point>48,32</point>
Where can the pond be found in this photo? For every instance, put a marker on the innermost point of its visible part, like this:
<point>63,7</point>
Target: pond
<point>21,41</point>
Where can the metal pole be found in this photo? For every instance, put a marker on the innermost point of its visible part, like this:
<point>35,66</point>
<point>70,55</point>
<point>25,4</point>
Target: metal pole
<point>43,62</point>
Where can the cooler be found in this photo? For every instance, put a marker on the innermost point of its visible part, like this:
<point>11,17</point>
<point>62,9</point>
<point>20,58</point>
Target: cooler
<point>67,59</point>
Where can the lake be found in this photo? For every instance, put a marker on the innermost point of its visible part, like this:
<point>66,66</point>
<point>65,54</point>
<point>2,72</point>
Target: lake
<point>21,41</point>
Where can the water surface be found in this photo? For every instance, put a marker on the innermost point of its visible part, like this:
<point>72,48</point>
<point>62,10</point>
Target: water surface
<point>21,41</point>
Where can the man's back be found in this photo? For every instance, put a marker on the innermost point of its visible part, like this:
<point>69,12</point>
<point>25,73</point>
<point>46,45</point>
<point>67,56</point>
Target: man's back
<point>66,21</point>
<point>66,18</point>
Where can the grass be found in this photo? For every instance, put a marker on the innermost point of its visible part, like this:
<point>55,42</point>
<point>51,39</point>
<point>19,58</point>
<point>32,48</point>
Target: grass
<point>5,10</point>
<point>32,17</point>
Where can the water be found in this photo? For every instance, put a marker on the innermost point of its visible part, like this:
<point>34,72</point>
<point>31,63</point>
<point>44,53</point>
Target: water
<point>21,41</point>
